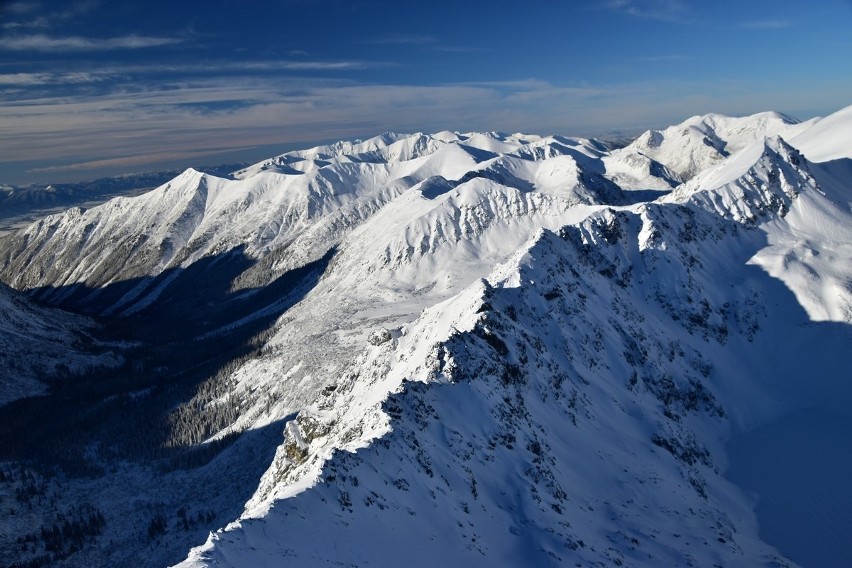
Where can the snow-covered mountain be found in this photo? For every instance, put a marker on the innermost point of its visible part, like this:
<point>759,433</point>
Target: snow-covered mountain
<point>20,205</point>
<point>474,349</point>
<point>700,142</point>
<point>295,216</point>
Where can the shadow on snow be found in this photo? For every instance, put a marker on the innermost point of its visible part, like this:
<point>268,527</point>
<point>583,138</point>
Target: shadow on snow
<point>169,352</point>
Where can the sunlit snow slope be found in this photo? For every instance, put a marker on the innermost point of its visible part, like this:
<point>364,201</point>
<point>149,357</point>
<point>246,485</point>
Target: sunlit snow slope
<point>522,350</point>
<point>572,406</point>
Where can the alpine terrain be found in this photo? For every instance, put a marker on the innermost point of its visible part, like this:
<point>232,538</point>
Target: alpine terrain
<point>436,350</point>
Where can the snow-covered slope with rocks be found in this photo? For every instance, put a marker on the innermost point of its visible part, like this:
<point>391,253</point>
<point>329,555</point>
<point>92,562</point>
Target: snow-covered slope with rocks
<point>700,142</point>
<point>514,350</point>
<point>289,210</point>
<point>38,344</point>
<point>546,413</point>
<point>21,205</point>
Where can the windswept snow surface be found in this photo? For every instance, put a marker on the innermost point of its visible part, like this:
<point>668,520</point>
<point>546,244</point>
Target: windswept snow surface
<point>829,138</point>
<point>525,350</point>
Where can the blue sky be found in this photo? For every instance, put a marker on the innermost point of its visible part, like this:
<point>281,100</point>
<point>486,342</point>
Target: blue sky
<point>97,87</point>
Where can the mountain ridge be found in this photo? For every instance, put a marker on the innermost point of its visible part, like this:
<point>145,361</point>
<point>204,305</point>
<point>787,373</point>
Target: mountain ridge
<point>509,348</point>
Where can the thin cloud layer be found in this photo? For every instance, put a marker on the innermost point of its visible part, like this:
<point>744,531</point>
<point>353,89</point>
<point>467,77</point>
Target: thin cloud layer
<point>404,39</point>
<point>207,117</point>
<point>41,42</point>
<point>21,7</point>
<point>665,10</point>
<point>766,24</point>
<point>35,15</point>
<point>90,85</point>
<point>30,79</point>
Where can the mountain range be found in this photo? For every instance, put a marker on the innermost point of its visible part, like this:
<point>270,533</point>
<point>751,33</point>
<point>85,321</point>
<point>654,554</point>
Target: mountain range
<point>20,205</point>
<point>454,349</point>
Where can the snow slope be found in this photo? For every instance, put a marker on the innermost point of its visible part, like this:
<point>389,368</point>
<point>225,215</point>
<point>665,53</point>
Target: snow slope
<point>486,432</point>
<point>517,354</point>
<point>829,138</point>
<point>807,209</point>
<point>55,343</point>
<point>290,215</point>
<point>703,141</point>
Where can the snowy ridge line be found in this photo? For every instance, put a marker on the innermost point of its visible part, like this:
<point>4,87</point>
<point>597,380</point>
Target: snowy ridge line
<point>481,349</point>
<point>197,215</point>
<point>268,210</point>
<point>750,188</point>
<point>701,142</point>
<point>373,421</point>
<point>467,343</point>
<point>364,409</point>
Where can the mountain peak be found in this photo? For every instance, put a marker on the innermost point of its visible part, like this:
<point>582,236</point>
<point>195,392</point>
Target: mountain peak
<point>703,141</point>
<point>481,348</point>
<point>760,181</point>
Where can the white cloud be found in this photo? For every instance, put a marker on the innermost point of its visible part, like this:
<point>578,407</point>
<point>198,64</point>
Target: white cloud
<point>25,79</point>
<point>129,162</point>
<point>197,118</point>
<point>665,10</point>
<point>766,24</point>
<point>302,65</point>
<point>21,7</point>
<point>40,42</point>
<point>38,23</point>
<point>208,68</point>
<point>48,18</point>
<point>405,39</point>
<point>31,79</point>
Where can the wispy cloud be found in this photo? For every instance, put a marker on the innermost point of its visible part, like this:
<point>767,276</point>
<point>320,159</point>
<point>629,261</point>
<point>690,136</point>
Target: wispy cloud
<point>128,129</point>
<point>305,65</point>
<point>21,7</point>
<point>664,10</point>
<point>250,67</point>
<point>404,39</point>
<point>664,58</point>
<point>29,79</point>
<point>40,42</point>
<point>25,10</point>
<point>220,114</point>
<point>127,161</point>
<point>115,78</point>
<point>138,128</point>
<point>765,24</point>
<point>38,23</point>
